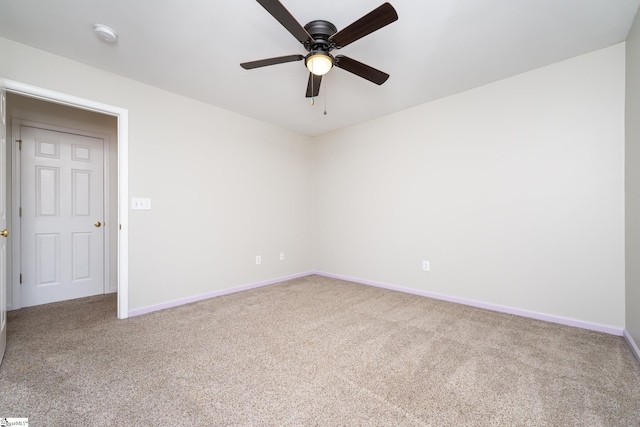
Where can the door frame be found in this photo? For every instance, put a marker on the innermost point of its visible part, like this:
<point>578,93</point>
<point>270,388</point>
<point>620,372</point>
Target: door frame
<point>122,116</point>
<point>16,196</point>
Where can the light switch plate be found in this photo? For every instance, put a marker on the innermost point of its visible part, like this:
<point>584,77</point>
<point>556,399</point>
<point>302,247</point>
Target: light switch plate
<point>140,203</point>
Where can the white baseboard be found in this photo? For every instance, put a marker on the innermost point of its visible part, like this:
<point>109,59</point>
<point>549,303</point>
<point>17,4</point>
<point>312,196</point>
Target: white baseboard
<point>487,306</point>
<point>212,294</point>
<point>632,344</point>
<point>473,303</point>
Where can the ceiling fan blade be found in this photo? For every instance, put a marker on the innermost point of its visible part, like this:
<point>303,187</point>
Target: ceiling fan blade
<point>360,69</point>
<point>271,61</point>
<point>283,16</point>
<point>314,83</point>
<point>373,21</point>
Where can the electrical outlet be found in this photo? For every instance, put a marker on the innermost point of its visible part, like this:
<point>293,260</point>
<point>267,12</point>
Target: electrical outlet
<point>258,259</point>
<point>426,266</point>
<point>281,256</point>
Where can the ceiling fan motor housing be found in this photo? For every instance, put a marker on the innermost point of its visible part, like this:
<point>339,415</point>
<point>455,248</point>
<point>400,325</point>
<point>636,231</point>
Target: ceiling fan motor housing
<point>320,30</point>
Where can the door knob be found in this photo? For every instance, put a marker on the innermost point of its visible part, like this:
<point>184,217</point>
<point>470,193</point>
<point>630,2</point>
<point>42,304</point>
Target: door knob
<point>97,223</point>
<point>4,233</point>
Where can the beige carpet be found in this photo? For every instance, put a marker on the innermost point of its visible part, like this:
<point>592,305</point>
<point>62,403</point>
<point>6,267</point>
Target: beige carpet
<point>311,351</point>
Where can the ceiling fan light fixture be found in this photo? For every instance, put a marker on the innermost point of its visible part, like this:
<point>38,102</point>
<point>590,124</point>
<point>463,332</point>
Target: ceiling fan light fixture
<point>319,63</point>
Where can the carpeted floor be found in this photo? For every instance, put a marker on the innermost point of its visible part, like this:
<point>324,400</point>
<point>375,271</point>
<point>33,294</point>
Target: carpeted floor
<point>311,351</point>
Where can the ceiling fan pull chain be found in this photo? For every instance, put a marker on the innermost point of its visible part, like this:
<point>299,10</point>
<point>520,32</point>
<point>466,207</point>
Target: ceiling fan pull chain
<point>325,96</point>
<point>313,99</point>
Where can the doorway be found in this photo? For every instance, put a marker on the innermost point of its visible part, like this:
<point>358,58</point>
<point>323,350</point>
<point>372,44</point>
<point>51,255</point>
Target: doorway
<point>119,208</point>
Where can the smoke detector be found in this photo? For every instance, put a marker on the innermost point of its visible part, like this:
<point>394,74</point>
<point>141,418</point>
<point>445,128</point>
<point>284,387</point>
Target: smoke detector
<point>105,33</point>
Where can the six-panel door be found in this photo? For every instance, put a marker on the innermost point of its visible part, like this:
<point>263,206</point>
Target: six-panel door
<point>62,216</point>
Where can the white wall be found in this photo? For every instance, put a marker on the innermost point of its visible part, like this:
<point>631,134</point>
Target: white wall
<point>20,107</point>
<point>223,188</point>
<point>513,191</point>
<point>632,183</point>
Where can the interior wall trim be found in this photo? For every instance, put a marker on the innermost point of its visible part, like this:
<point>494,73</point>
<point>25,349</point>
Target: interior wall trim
<point>487,306</point>
<point>213,294</point>
<point>612,330</point>
<point>632,345</point>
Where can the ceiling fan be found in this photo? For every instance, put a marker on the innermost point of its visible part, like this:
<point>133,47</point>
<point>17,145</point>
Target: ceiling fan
<point>320,37</point>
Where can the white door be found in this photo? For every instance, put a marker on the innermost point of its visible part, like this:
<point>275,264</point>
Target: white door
<point>3,222</point>
<point>62,216</point>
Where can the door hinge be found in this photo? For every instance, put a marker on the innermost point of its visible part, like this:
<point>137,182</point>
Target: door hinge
<point>19,141</point>
<point>21,278</point>
<point>20,212</point>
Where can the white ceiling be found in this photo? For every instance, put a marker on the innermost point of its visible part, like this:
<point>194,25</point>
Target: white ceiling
<point>436,48</point>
